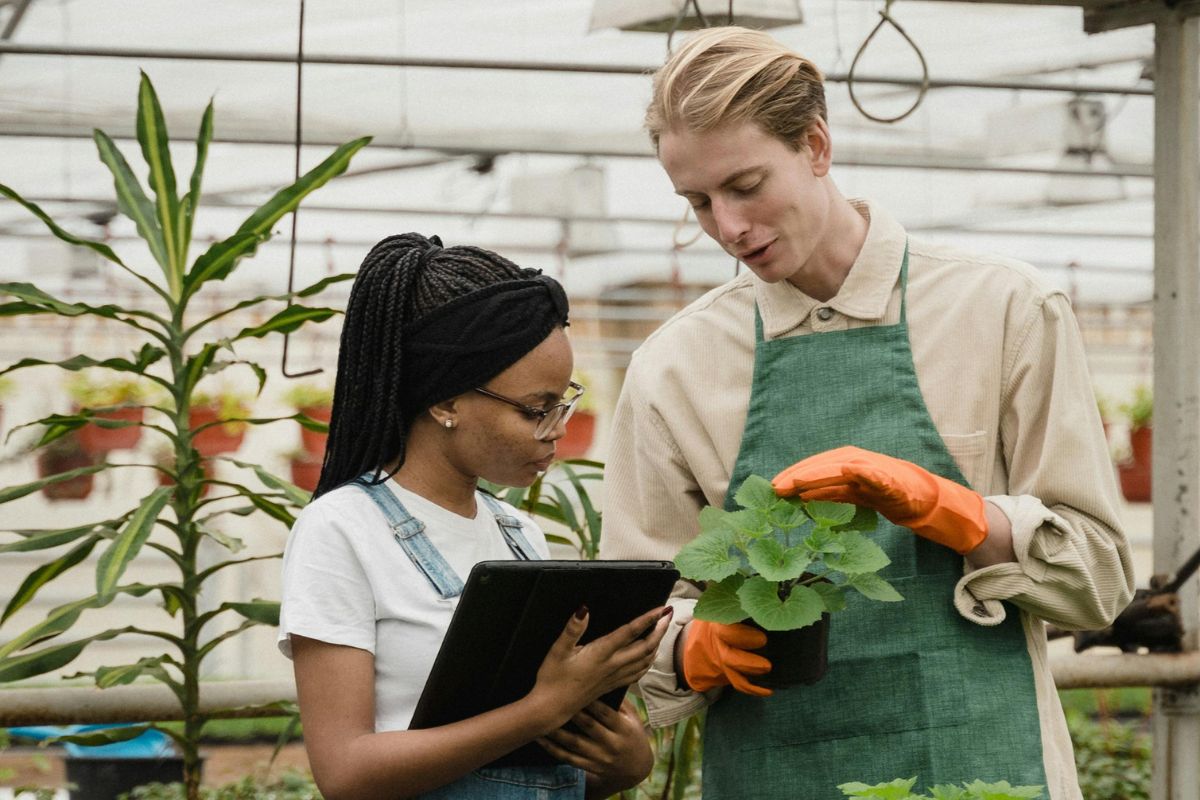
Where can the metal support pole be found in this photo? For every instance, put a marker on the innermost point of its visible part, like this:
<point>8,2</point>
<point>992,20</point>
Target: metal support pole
<point>1177,379</point>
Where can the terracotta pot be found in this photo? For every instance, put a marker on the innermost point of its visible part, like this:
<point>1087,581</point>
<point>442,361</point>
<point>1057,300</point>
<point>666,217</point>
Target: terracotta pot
<point>306,472</point>
<point>797,657</point>
<point>312,441</point>
<point>97,440</point>
<point>216,439</point>
<point>1135,476</point>
<point>52,463</point>
<point>581,428</point>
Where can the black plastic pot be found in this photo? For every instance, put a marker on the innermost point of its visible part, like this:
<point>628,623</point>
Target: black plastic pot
<point>107,778</point>
<point>798,657</point>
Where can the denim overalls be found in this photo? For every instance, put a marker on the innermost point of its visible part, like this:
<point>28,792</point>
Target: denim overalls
<point>562,782</point>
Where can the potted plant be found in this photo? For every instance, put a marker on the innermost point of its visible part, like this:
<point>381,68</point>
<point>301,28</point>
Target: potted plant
<point>785,564</point>
<point>181,342</point>
<point>66,455</point>
<point>305,468</point>
<point>901,789</point>
<point>1135,474</point>
<point>315,402</point>
<point>108,400</point>
<point>218,422</point>
<point>581,427</point>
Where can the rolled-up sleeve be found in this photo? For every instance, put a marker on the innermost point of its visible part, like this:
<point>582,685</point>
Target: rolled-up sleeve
<point>1073,565</point>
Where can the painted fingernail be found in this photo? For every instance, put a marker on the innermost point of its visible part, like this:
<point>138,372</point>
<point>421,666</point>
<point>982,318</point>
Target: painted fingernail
<point>668,611</point>
<point>581,612</point>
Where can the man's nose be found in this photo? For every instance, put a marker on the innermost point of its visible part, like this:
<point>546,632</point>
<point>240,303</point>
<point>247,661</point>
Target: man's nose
<point>731,223</point>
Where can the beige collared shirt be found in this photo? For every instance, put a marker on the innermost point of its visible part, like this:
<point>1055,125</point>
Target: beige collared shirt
<point>1001,365</point>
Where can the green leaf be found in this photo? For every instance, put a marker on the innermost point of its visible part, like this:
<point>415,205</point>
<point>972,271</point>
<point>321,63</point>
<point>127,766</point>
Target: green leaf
<point>899,789</point>
<point>142,359</point>
<point>707,557</point>
<point>196,365</point>
<point>59,619</point>
<point>713,519</point>
<point>756,493</point>
<point>865,520</point>
<point>760,597</point>
<point>1001,790</point>
<point>230,543</point>
<point>152,136</point>
<point>832,595</point>
<point>46,573</point>
<point>128,673</point>
<point>948,792</point>
<point>44,539</point>
<point>748,523</point>
<point>264,611</point>
<point>297,496</point>
<point>828,515</point>
<point>774,562</point>
<point>720,602</point>
<point>47,659</point>
<point>786,516</point>
<point>131,200</point>
<point>862,555</point>
<point>10,493</point>
<point>220,259</point>
<point>286,321</point>
<point>270,508</point>
<point>98,247</point>
<point>191,201</point>
<point>874,587</point>
<point>258,225</point>
<point>823,540</point>
<point>129,541</point>
<point>107,736</point>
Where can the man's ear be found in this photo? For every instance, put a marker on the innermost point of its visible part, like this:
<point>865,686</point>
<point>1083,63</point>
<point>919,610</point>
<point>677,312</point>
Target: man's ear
<point>819,144</point>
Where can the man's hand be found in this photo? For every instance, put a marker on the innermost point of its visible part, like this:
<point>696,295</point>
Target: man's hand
<point>931,506</point>
<point>718,655</point>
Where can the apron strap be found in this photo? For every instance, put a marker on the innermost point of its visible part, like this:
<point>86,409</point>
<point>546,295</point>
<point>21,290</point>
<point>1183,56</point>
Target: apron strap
<point>409,533</point>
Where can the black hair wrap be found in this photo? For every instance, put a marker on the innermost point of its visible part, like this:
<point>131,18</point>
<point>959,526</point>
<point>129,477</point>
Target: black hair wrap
<point>470,340</point>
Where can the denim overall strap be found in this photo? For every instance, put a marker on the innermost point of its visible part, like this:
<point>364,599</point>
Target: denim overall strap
<point>410,534</point>
<point>510,526</point>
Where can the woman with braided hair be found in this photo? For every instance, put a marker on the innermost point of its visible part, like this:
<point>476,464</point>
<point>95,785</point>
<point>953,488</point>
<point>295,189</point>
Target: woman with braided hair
<point>453,367</point>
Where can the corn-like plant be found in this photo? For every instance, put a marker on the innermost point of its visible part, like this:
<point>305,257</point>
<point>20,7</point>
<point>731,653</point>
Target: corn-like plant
<point>177,351</point>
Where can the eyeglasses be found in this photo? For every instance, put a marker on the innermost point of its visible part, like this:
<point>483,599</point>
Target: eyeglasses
<point>548,418</point>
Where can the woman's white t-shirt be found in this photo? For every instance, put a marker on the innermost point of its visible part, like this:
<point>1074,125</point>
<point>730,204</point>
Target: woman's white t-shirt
<point>347,581</point>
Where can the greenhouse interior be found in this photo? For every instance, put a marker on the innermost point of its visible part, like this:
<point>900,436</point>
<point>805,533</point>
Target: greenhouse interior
<point>141,551</point>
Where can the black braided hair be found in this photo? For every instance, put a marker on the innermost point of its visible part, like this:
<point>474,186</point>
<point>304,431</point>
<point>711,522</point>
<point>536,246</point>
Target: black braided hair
<point>400,281</point>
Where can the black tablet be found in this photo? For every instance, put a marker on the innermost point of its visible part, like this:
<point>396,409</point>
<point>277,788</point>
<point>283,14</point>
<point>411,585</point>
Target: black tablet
<point>509,615</point>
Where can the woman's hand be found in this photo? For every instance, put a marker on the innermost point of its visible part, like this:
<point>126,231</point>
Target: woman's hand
<point>610,746</point>
<point>572,676</point>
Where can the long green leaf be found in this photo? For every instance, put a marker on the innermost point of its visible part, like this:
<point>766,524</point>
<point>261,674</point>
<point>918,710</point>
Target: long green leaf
<point>191,201</point>
<point>99,247</point>
<point>148,355</point>
<point>152,136</point>
<point>269,507</point>
<point>46,573</point>
<point>128,673</point>
<point>59,620</point>
<point>197,365</point>
<point>47,659</point>
<point>286,321</point>
<point>107,736</point>
<point>264,611</point>
<point>307,291</point>
<point>220,259</point>
<point>294,493</point>
<point>129,541</point>
<point>44,539</point>
<point>10,493</point>
<point>131,199</point>
<point>259,223</point>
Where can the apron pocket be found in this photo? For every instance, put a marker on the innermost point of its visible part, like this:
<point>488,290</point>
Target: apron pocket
<point>868,696</point>
<point>969,451</point>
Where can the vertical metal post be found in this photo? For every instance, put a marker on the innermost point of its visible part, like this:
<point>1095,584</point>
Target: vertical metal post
<point>1177,377</point>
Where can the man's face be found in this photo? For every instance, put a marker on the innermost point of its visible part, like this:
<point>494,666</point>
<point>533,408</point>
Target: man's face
<point>762,201</point>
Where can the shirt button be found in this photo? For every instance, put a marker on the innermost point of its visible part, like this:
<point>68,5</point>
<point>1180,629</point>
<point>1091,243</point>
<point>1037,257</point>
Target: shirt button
<point>824,313</point>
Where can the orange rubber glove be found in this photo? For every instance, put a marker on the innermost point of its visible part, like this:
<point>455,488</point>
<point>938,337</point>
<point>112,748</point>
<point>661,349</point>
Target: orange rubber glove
<point>717,655</point>
<point>931,506</point>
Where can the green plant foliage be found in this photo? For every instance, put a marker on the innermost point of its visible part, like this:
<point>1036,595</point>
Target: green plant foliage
<point>1113,758</point>
<point>901,789</point>
<point>309,395</point>
<point>291,785</point>
<point>560,495</point>
<point>782,562</point>
<point>1139,411</point>
<point>178,351</point>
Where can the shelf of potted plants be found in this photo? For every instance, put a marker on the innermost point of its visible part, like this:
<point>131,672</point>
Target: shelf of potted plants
<point>219,421</point>
<point>1134,474</point>
<point>314,401</point>
<point>113,399</point>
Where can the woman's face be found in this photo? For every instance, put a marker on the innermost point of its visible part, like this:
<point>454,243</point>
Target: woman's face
<point>762,201</point>
<point>494,440</point>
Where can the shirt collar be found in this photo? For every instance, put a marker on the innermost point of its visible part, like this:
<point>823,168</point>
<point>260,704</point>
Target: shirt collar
<point>865,292</point>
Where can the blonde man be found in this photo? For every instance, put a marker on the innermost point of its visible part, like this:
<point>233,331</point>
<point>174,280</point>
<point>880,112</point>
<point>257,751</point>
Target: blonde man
<point>946,390</point>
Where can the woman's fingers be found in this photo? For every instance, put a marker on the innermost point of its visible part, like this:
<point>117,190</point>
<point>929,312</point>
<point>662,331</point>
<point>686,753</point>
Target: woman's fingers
<point>571,633</point>
<point>566,756</point>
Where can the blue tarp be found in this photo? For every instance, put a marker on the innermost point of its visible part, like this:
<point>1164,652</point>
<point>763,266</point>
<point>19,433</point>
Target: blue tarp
<point>150,744</point>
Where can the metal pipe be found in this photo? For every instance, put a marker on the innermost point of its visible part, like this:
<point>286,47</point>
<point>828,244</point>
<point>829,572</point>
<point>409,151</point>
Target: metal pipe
<point>244,699</point>
<point>244,56</point>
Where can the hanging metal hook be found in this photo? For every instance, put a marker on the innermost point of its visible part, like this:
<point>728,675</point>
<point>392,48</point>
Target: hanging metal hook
<point>283,367</point>
<point>886,18</point>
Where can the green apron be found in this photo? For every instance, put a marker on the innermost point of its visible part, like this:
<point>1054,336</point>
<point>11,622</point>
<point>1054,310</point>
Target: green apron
<point>912,687</point>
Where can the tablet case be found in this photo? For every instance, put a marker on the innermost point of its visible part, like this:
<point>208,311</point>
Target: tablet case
<point>509,615</point>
